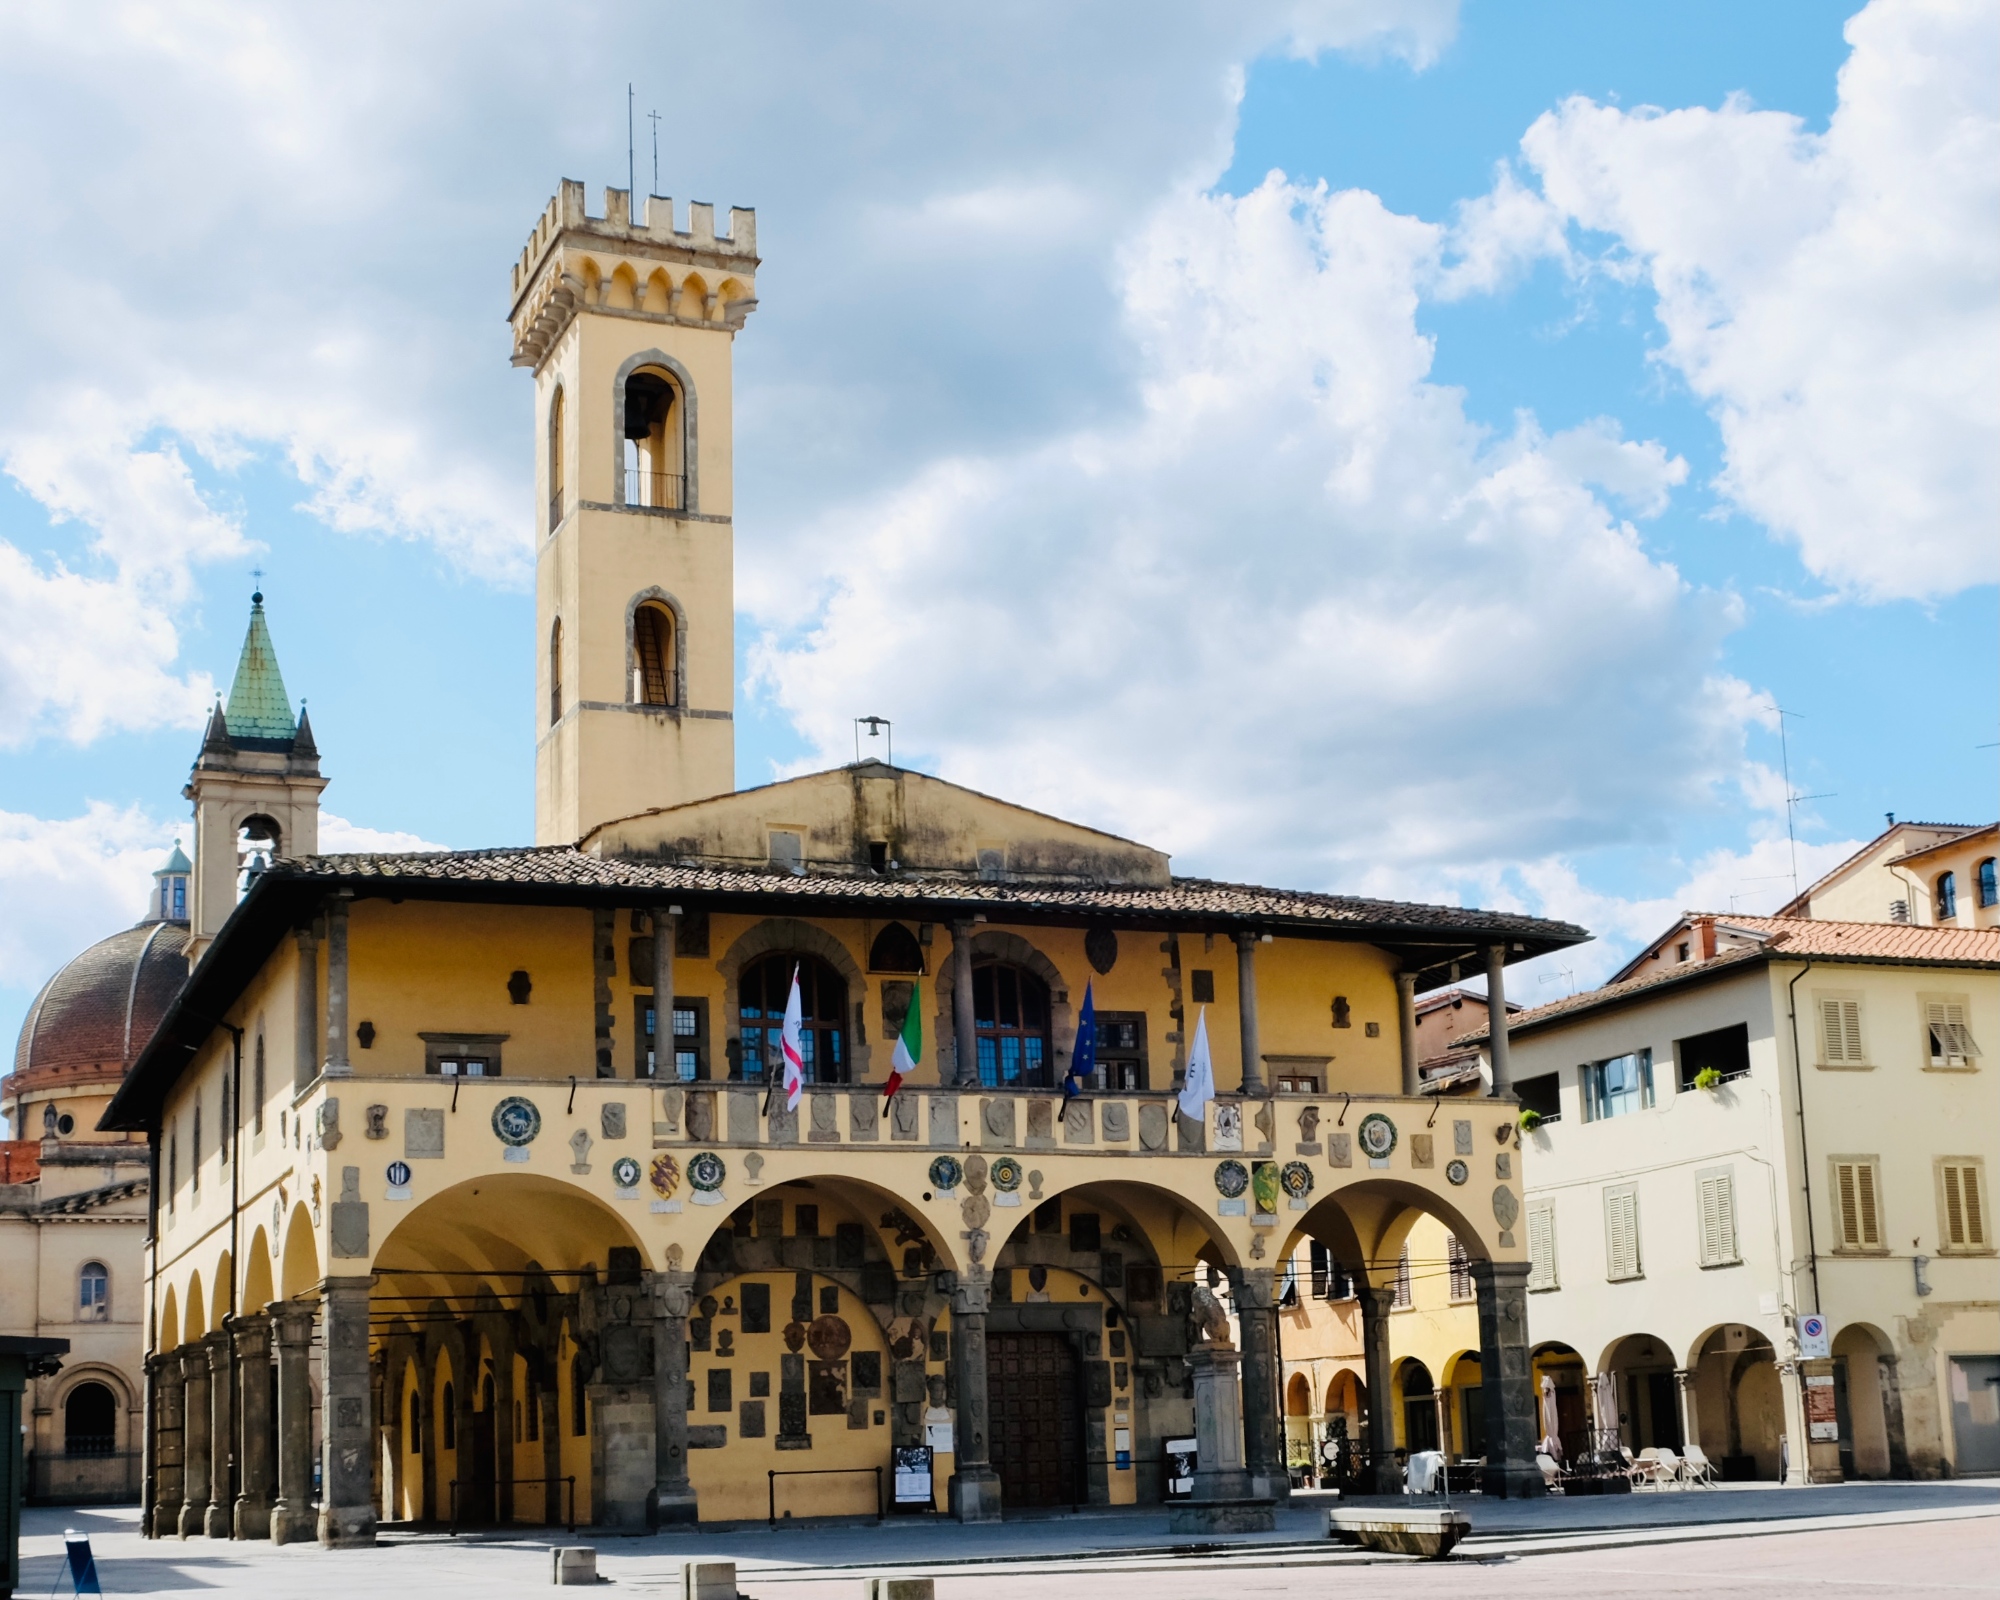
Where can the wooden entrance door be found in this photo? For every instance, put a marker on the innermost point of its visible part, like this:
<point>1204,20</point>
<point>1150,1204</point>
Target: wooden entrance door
<point>1037,1427</point>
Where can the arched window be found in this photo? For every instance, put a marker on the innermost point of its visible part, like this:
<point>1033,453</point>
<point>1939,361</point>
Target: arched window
<point>556,459</point>
<point>1010,1012</point>
<point>895,950</point>
<point>93,1293</point>
<point>653,664</point>
<point>655,442</point>
<point>763,991</point>
<point>1947,896</point>
<point>222,1134</point>
<point>194,1152</point>
<point>1989,883</point>
<point>90,1421</point>
<point>555,672</point>
<point>257,1090</point>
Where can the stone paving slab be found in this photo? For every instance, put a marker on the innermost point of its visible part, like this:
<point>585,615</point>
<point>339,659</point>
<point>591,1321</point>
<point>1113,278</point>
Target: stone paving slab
<point>803,1557</point>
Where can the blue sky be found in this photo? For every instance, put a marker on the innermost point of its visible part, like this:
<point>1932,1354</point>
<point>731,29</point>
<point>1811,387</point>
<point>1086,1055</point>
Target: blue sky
<point>1431,520</point>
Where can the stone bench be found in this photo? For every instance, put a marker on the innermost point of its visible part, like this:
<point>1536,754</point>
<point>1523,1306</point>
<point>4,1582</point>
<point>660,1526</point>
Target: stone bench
<point>1416,1532</point>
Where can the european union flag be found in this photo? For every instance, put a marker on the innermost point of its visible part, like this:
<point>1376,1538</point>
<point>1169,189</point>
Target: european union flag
<point>1083,1059</point>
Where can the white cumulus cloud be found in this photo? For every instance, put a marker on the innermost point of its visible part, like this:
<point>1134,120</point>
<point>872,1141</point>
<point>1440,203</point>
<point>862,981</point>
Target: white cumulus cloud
<point>1833,297</point>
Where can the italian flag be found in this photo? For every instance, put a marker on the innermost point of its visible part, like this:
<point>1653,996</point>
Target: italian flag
<point>909,1045</point>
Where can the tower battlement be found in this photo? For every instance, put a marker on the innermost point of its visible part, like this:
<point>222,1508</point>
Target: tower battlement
<point>644,267</point>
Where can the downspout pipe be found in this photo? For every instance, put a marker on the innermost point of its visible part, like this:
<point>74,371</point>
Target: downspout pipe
<point>235,1244</point>
<point>1805,1152</point>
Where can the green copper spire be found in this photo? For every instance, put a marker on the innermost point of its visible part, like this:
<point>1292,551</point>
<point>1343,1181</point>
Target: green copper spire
<point>258,705</point>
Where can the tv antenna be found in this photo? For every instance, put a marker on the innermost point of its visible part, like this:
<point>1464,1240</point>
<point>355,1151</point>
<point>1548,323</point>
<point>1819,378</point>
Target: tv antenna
<point>878,728</point>
<point>1792,801</point>
<point>631,170</point>
<point>654,118</point>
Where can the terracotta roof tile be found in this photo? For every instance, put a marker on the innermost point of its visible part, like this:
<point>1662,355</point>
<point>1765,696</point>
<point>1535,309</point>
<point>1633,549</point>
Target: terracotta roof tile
<point>1784,939</point>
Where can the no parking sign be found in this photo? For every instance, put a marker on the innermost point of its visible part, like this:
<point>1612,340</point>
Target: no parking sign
<point>1813,1342</point>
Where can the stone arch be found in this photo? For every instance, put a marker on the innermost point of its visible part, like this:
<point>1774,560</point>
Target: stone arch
<point>1214,1244</point>
<point>1298,1396</point>
<point>225,1282</point>
<point>994,944</point>
<point>724,1253</point>
<point>170,1321</point>
<point>300,1272</point>
<point>117,1408</point>
<point>1865,1359</point>
<point>690,420</point>
<point>258,1290</point>
<point>677,687</point>
<point>790,933</point>
<point>193,1322</point>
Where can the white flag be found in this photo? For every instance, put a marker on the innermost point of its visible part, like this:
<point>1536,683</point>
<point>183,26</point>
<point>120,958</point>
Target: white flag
<point>1198,1087</point>
<point>793,1045</point>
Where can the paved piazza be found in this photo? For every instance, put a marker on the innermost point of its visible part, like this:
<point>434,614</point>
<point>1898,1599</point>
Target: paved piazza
<point>1851,1540</point>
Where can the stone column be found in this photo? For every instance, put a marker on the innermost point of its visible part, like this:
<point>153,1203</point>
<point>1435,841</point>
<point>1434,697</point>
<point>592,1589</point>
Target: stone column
<point>195,1457</point>
<point>1684,1378</point>
<point>673,1496</point>
<point>336,987</point>
<point>1380,1475</point>
<point>965,1038</point>
<point>291,1516</point>
<point>1508,1381</point>
<point>1246,1007</point>
<point>1892,1416</point>
<point>974,1491</point>
<point>1496,1024</point>
<point>253,1423</point>
<point>556,1497</point>
<point>169,1402</point>
<point>305,1062</point>
<point>1406,1029</point>
<point>666,933</point>
<point>347,1429</point>
<point>220,1516</point>
<point>1220,1473</point>
<point>1263,1420</point>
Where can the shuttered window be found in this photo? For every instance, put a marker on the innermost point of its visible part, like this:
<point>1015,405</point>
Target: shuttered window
<point>1621,1234</point>
<point>1715,1196</point>
<point>1404,1299</point>
<point>1962,1206</point>
<point>1542,1245</point>
<point>1946,1034</point>
<point>1857,1198</point>
<point>1461,1269</point>
<point>1840,1032</point>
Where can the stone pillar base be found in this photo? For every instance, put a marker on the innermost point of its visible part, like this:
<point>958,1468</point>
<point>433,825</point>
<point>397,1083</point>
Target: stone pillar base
<point>216,1522</point>
<point>1223,1516</point>
<point>290,1525</point>
<point>347,1527</point>
<point>674,1509</point>
<point>1512,1480</point>
<point>192,1520</point>
<point>253,1518</point>
<point>1384,1477</point>
<point>974,1497</point>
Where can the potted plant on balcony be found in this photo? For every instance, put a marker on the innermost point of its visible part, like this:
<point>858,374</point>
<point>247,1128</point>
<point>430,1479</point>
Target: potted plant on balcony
<point>1531,1119</point>
<point>1707,1078</point>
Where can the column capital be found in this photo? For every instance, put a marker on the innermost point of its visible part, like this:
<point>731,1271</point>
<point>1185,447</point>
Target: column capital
<point>1256,1287</point>
<point>971,1298</point>
<point>672,1292</point>
<point>1501,1273</point>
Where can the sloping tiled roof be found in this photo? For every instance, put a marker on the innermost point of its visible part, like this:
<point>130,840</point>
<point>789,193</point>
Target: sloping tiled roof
<point>1805,895</point>
<point>564,866</point>
<point>1957,841</point>
<point>1784,939</point>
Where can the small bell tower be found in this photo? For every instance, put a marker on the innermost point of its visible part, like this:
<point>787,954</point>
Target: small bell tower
<point>255,786</point>
<point>628,325</point>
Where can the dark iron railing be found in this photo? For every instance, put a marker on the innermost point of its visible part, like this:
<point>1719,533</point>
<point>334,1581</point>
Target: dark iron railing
<point>656,491</point>
<point>569,1483</point>
<point>821,1472</point>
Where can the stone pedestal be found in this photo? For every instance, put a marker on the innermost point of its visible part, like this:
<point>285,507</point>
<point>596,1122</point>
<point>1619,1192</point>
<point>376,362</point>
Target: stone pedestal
<point>1223,1499</point>
<point>291,1514</point>
<point>1380,1475</point>
<point>974,1490</point>
<point>1263,1421</point>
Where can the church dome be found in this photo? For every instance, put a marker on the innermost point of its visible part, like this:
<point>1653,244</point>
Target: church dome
<point>93,1017</point>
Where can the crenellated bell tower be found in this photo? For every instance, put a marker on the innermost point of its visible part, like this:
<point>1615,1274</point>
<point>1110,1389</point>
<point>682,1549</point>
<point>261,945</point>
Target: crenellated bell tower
<point>628,325</point>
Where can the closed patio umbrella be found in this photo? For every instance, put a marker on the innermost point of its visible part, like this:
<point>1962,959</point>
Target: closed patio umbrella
<point>1551,1434</point>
